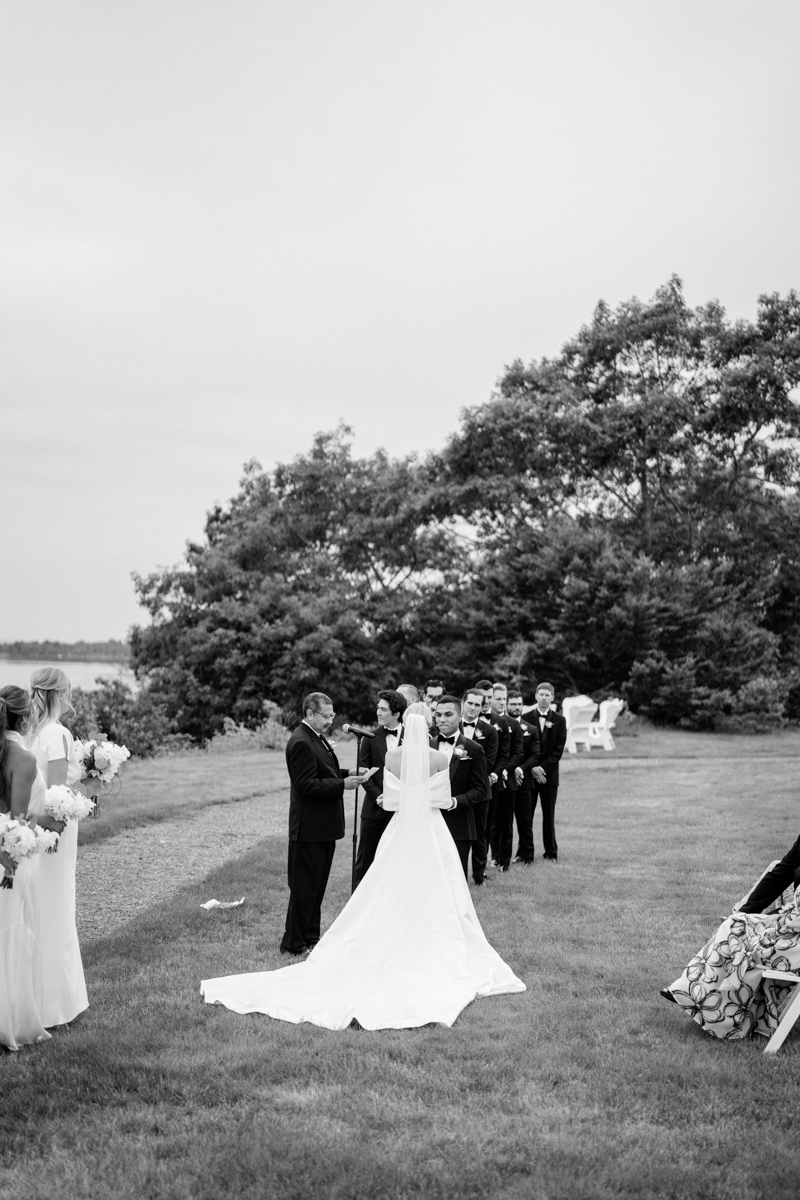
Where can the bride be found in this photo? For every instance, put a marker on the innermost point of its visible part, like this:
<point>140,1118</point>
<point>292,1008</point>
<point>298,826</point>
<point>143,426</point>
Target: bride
<point>407,949</point>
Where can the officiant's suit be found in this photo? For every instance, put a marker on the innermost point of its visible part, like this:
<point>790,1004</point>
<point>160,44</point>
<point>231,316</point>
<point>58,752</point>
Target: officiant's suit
<point>552,739</point>
<point>469,785</point>
<point>316,822</point>
<point>373,819</point>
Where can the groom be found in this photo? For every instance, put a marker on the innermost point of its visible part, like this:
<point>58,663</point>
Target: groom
<point>316,820</point>
<point>469,778</point>
<point>388,736</point>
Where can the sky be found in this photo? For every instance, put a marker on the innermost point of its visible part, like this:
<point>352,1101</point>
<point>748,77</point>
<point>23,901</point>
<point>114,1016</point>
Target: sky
<point>226,226</point>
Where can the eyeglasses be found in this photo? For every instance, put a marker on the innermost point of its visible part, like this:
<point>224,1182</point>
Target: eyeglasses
<point>319,713</point>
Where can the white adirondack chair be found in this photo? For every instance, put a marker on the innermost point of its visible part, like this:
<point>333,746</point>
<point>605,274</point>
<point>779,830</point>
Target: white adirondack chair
<point>578,712</point>
<point>600,731</point>
<point>788,1008</point>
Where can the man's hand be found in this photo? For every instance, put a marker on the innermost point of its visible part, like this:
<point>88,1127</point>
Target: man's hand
<point>453,805</point>
<point>352,782</point>
<point>492,778</point>
<point>518,771</point>
<point>379,801</point>
<point>539,775</point>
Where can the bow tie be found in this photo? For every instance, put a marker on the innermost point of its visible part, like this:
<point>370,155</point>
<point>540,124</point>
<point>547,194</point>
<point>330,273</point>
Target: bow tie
<point>469,724</point>
<point>451,739</point>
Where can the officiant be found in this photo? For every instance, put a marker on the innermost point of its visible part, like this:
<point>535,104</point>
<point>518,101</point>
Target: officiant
<point>316,820</point>
<point>388,736</point>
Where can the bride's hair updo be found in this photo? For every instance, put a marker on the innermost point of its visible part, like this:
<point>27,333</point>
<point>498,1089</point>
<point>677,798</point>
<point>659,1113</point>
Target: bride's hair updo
<point>419,709</point>
<point>51,692</point>
<point>15,706</point>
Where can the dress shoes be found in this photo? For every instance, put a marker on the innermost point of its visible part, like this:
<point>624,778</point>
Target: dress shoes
<point>295,953</point>
<point>550,858</point>
<point>481,882</point>
<point>523,862</point>
<point>667,994</point>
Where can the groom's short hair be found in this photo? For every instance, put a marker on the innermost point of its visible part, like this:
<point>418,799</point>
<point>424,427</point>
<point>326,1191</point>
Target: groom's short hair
<point>314,702</point>
<point>544,683</point>
<point>396,702</point>
<point>454,700</point>
<point>483,685</point>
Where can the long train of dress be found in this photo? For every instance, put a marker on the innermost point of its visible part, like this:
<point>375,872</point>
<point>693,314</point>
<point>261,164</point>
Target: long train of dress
<point>406,950</point>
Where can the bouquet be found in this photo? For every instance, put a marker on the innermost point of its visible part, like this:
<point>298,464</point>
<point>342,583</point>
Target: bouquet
<point>100,762</point>
<point>18,841</point>
<point>46,840</point>
<point>62,804</point>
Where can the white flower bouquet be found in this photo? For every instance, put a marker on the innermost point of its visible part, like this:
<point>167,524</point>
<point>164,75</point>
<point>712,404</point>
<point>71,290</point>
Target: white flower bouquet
<point>46,840</point>
<point>18,841</point>
<point>63,804</point>
<point>100,760</point>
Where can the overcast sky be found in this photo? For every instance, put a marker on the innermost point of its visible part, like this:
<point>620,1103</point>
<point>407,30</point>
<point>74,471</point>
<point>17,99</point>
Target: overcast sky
<point>226,226</point>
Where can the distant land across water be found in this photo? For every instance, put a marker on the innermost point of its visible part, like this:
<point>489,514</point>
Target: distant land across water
<point>83,662</point>
<point>55,652</point>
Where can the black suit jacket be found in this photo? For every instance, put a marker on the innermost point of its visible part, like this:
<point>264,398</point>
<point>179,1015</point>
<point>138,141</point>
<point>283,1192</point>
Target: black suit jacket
<point>776,881</point>
<point>373,754</point>
<point>530,749</point>
<point>551,746</point>
<point>316,796</point>
<point>486,737</point>
<point>469,784</point>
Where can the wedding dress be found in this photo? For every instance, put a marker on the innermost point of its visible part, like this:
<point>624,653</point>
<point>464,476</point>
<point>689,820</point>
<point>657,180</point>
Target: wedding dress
<point>63,983</point>
<point>20,953</point>
<point>407,949</point>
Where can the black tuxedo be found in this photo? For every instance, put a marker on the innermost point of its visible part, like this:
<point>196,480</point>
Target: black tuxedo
<point>469,785</point>
<point>485,736</point>
<point>316,822</point>
<point>501,820</point>
<point>553,738</point>
<point>523,800</point>
<point>373,818</point>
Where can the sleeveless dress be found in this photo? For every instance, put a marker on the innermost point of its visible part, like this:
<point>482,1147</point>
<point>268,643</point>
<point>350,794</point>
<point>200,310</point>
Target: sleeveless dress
<point>63,984</point>
<point>406,950</point>
<point>20,954</point>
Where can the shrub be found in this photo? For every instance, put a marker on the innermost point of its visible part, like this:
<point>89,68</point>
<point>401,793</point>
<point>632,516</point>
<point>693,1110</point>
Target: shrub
<point>271,734</point>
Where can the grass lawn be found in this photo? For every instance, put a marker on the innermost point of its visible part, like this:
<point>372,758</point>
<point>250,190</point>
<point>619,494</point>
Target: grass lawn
<point>586,1086</point>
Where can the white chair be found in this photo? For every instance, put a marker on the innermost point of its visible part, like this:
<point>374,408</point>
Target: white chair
<point>788,1008</point>
<point>600,731</point>
<point>578,712</point>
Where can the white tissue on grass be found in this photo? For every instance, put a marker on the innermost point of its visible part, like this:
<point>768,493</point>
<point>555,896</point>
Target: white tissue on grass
<point>209,904</point>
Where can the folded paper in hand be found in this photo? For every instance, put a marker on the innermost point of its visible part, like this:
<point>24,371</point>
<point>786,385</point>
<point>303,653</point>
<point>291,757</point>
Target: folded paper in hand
<point>209,904</point>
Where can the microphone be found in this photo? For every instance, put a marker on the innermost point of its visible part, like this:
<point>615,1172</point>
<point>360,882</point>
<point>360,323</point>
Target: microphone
<point>357,731</point>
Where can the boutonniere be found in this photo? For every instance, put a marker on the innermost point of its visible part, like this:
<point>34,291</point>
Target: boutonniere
<point>548,724</point>
<point>478,736</point>
<point>459,752</point>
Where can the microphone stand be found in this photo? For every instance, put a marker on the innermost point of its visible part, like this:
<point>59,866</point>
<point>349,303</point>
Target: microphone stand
<point>355,818</point>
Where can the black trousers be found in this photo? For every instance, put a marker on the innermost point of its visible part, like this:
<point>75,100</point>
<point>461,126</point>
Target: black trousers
<point>523,811</point>
<point>548,794</point>
<point>309,868</point>
<point>480,847</point>
<point>369,834</point>
<point>503,838</point>
<point>463,849</point>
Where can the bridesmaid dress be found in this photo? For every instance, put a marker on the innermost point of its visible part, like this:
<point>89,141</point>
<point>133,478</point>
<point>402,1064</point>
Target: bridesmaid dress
<point>63,984</point>
<point>20,953</point>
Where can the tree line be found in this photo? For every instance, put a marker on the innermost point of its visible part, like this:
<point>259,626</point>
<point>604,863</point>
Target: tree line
<point>622,518</point>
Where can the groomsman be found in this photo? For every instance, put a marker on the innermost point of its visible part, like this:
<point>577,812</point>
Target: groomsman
<point>316,820</point>
<point>473,726</point>
<point>523,801</point>
<point>503,839</point>
<point>469,780</point>
<point>544,764</point>
<point>409,693</point>
<point>486,688</point>
<point>434,690</point>
<point>388,736</point>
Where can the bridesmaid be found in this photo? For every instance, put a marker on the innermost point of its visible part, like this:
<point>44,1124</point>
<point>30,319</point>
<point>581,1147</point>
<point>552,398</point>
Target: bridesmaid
<point>20,955</point>
<point>64,986</point>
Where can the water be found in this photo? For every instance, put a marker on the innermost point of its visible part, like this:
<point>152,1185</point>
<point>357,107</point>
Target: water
<point>80,674</point>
